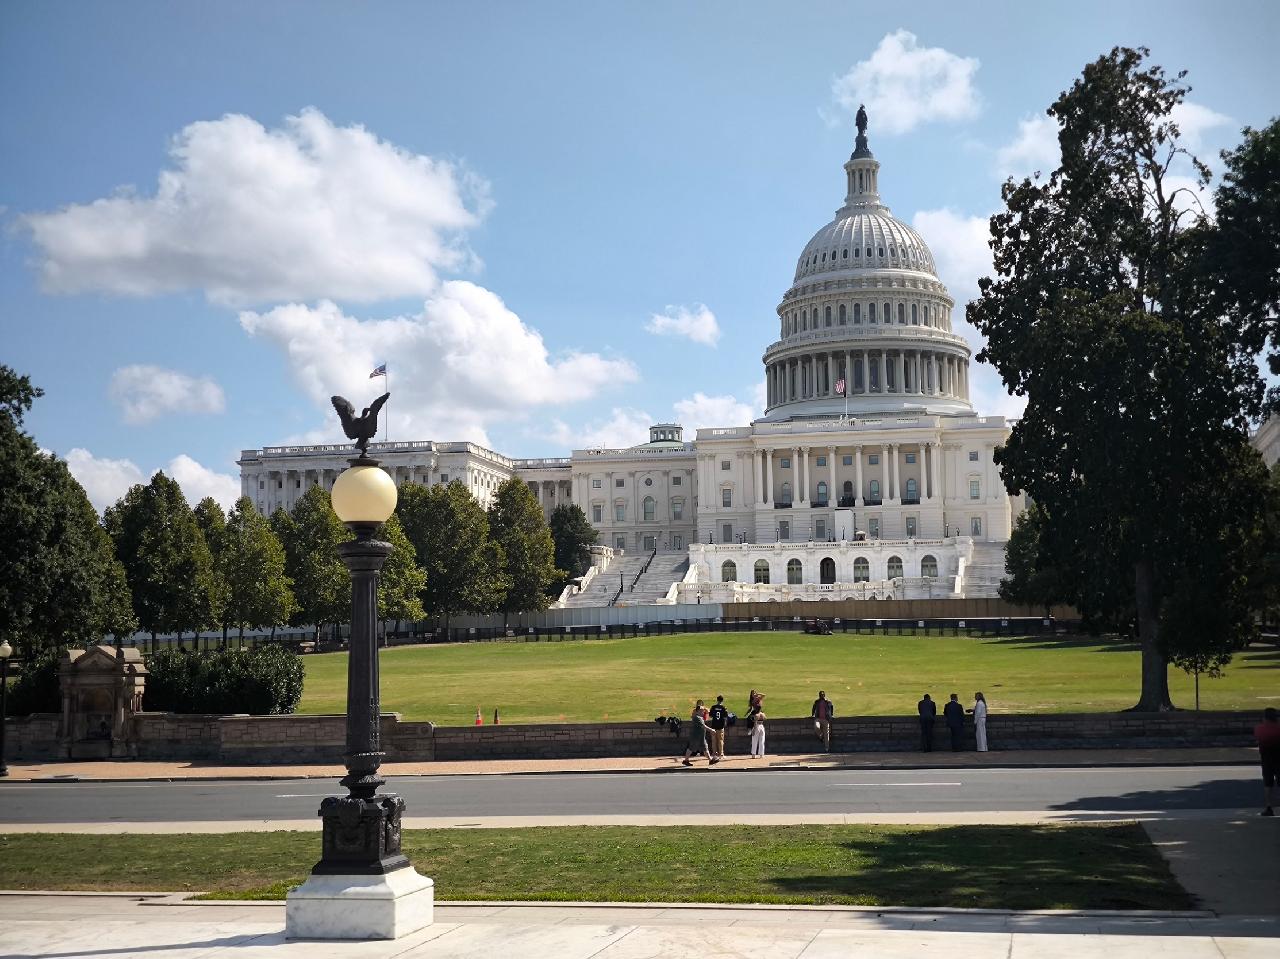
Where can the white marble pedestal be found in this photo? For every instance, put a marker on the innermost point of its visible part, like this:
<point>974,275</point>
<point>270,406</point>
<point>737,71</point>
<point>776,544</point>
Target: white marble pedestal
<point>360,907</point>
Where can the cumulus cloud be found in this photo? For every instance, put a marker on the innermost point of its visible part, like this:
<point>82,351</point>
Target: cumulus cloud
<point>697,324</point>
<point>623,428</point>
<point>1034,149</point>
<point>463,363</point>
<point>960,249</point>
<point>1195,121</point>
<point>250,215</point>
<point>106,480</point>
<point>701,411</point>
<point>904,85</point>
<point>144,393</point>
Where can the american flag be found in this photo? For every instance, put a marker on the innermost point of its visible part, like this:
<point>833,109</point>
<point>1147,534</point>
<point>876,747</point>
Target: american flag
<point>382,371</point>
<point>839,387</point>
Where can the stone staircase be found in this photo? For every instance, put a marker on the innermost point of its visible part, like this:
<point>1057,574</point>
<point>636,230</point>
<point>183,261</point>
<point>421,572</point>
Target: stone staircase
<point>666,568</point>
<point>985,571</point>
<point>605,584</point>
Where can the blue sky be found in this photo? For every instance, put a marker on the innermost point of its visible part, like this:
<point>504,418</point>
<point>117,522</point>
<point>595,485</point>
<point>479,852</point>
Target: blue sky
<point>555,221</point>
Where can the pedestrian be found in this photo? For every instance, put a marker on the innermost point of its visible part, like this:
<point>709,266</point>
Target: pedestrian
<point>697,745</point>
<point>757,734</point>
<point>980,721</point>
<point>928,710</point>
<point>1267,733</point>
<point>953,716</point>
<point>823,712</point>
<point>719,716</point>
<point>755,702</point>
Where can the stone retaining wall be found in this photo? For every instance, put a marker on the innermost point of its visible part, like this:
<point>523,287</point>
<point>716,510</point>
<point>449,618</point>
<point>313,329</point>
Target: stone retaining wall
<point>248,740</point>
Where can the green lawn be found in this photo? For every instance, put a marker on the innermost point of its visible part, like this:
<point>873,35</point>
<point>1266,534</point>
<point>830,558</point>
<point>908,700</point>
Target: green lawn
<point>1014,867</point>
<point>637,679</point>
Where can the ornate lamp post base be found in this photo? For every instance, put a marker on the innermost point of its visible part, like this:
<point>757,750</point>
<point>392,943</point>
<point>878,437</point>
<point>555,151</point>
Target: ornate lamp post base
<point>372,906</point>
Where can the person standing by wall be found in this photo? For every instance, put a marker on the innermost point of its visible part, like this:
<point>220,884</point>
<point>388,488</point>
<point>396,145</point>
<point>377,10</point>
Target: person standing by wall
<point>757,734</point>
<point>928,711</point>
<point>718,718</point>
<point>698,736</point>
<point>953,715</point>
<point>980,721</point>
<point>823,712</point>
<point>1267,733</point>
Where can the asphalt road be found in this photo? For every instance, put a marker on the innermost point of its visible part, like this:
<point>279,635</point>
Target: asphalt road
<point>680,792</point>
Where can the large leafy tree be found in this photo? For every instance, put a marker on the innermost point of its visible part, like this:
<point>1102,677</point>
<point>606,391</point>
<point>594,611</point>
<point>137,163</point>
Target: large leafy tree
<point>166,560</point>
<point>517,525</point>
<point>449,531</point>
<point>1139,387</point>
<point>213,526</point>
<point>1034,578</point>
<point>321,583</point>
<point>252,563</point>
<point>402,580</point>
<point>573,536</point>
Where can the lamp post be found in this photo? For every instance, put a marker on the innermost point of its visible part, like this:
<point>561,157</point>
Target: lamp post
<point>5,652</point>
<point>363,887</point>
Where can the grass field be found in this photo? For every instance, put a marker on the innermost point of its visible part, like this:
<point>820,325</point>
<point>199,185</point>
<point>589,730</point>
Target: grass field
<point>637,679</point>
<point>1011,867</point>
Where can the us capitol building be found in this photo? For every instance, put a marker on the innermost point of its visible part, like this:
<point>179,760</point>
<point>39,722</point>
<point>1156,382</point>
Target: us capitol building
<point>869,475</point>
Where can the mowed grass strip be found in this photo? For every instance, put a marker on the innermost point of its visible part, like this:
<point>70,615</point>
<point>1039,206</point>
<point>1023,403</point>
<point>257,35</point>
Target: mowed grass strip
<point>637,679</point>
<point>1110,866</point>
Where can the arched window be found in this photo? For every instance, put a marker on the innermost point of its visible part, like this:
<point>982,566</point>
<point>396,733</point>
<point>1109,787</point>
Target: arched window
<point>857,312</point>
<point>848,490</point>
<point>915,315</point>
<point>913,491</point>
<point>902,313</point>
<point>842,308</point>
<point>874,491</point>
<point>881,249</point>
<point>895,567</point>
<point>857,252</point>
<point>826,318</point>
<point>822,493</point>
<point>871,312</point>
<point>762,571</point>
<point>888,313</point>
<point>868,251</point>
<point>728,572</point>
<point>827,570</point>
<point>648,508</point>
<point>795,572</point>
<point>846,253</point>
<point>861,570</point>
<point>929,566</point>
<point>786,493</point>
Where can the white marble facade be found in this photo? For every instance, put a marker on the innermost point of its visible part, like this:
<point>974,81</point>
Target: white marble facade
<point>868,426</point>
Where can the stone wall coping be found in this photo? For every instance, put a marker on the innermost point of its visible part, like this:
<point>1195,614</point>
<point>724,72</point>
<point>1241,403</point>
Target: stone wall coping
<point>295,717</point>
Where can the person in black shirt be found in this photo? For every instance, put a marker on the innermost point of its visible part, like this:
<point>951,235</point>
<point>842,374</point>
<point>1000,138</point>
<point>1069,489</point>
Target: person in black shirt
<point>718,719</point>
<point>953,714</point>
<point>928,710</point>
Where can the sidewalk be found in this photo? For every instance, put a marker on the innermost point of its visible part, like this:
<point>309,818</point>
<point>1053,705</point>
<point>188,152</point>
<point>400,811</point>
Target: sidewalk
<point>166,927</point>
<point>141,771</point>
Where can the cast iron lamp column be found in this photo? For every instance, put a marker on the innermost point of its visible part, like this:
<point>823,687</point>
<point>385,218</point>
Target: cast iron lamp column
<point>362,829</point>
<point>5,652</point>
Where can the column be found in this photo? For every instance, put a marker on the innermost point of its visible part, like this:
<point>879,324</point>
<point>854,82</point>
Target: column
<point>831,382</point>
<point>924,477</point>
<point>760,491</point>
<point>935,456</point>
<point>902,372</point>
<point>884,473</point>
<point>919,386</point>
<point>833,491</point>
<point>858,499</point>
<point>884,380</point>
<point>933,374</point>
<point>895,474</point>
<point>804,473</point>
<point>987,463</point>
<point>768,475</point>
<point>866,372</point>
<point>848,372</point>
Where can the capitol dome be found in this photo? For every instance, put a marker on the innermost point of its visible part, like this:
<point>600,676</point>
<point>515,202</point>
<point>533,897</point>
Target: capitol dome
<point>866,324</point>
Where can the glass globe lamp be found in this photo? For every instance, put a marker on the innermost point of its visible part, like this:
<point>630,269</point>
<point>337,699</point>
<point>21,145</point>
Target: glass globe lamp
<point>364,496</point>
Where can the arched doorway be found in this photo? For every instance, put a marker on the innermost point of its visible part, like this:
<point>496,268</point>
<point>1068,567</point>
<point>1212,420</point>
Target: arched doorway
<point>827,570</point>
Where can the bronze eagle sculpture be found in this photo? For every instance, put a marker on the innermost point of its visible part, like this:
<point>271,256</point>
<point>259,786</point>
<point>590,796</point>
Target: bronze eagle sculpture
<point>360,428</point>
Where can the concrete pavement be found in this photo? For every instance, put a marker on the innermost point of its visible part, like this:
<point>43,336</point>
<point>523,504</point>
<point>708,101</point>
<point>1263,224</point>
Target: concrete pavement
<point>66,926</point>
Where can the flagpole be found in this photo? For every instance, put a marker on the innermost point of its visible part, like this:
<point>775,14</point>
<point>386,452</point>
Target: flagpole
<point>386,388</point>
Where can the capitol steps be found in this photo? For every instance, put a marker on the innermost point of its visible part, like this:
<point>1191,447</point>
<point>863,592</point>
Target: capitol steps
<point>655,583</point>
<point>985,571</point>
<point>622,570</point>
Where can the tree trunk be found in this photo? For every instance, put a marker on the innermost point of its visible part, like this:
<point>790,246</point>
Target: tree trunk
<point>1155,670</point>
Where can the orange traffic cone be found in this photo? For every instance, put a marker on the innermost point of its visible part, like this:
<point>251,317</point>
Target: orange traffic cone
<point>496,721</point>
<point>479,718</point>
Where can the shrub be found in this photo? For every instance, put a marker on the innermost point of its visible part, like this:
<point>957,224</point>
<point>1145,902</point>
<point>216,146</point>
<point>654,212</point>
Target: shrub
<point>266,680</point>
<point>36,688</point>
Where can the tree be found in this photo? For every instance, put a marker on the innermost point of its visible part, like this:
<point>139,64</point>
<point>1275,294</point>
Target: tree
<point>1033,579</point>
<point>449,531</point>
<point>213,526</point>
<point>321,583</point>
<point>59,579</point>
<point>166,560</point>
<point>1139,387</point>
<point>402,580</point>
<point>517,525</point>
<point>573,536</point>
<point>252,563</point>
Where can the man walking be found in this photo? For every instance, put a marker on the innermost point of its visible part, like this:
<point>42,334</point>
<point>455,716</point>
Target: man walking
<point>928,710</point>
<point>823,711</point>
<point>953,715</point>
<point>1267,733</point>
<point>717,721</point>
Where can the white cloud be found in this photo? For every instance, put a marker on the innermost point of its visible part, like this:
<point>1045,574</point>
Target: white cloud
<point>106,480</point>
<point>701,411</point>
<point>1194,121</point>
<point>251,215</point>
<point>463,363</point>
<point>903,85</point>
<point>624,428</point>
<point>145,392</point>
<point>760,395</point>
<point>960,249</point>
<point>1034,149</point>
<point>697,324</point>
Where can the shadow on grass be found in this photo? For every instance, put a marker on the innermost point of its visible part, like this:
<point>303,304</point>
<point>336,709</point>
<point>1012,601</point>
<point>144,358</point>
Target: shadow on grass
<point>1098,644</point>
<point>1258,657</point>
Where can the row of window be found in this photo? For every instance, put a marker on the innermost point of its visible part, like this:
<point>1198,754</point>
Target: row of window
<point>826,570</point>
<point>648,507</point>
<point>809,319</point>
<point>910,256</point>
<point>648,481</point>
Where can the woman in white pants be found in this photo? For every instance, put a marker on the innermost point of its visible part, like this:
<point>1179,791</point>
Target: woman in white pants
<point>980,721</point>
<point>757,734</point>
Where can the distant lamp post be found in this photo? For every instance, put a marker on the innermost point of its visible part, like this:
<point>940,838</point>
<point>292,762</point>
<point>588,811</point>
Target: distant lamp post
<point>5,652</point>
<point>363,887</point>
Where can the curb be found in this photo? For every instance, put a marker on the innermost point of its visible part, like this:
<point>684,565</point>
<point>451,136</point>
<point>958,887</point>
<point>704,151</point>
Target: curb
<point>802,767</point>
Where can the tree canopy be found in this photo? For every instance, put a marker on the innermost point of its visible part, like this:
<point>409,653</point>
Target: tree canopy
<point>252,563</point>
<point>310,536</point>
<point>573,536</point>
<point>402,580</point>
<point>528,553</point>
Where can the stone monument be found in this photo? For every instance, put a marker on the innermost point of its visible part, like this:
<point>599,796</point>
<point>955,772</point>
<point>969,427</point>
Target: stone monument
<point>101,691</point>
